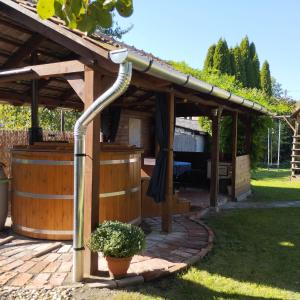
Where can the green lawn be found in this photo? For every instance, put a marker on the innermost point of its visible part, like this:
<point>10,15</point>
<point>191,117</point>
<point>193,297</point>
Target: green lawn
<point>274,185</point>
<point>256,256</point>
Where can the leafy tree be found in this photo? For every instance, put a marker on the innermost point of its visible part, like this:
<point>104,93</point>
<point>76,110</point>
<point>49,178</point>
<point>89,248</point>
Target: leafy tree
<point>85,15</point>
<point>18,118</point>
<point>115,31</point>
<point>221,57</point>
<point>209,60</point>
<point>265,78</point>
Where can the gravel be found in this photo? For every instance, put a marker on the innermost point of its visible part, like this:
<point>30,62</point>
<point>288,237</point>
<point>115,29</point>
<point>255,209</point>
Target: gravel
<point>84,293</point>
<point>36,294</point>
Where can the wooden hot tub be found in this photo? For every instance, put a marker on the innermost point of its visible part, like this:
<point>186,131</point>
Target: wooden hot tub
<point>42,200</point>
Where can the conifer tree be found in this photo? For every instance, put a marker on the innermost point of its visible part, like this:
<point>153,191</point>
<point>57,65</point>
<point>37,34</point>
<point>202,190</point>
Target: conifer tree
<point>252,50</point>
<point>245,53</point>
<point>221,57</point>
<point>265,78</point>
<point>256,72</point>
<point>209,60</point>
<point>240,74</point>
<point>232,61</point>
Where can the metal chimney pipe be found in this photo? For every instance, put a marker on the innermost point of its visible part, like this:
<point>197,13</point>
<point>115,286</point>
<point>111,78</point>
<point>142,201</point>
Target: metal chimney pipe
<point>115,91</point>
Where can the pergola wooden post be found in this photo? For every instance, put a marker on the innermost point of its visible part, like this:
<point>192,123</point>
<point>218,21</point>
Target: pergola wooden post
<point>167,204</point>
<point>34,104</point>
<point>215,150</point>
<point>91,192</point>
<point>233,154</point>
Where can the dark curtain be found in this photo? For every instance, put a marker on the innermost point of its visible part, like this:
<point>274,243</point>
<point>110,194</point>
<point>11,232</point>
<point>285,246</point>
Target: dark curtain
<point>157,185</point>
<point>110,119</point>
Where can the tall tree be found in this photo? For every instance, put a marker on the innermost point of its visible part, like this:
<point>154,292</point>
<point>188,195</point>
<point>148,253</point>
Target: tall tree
<point>209,60</point>
<point>232,61</point>
<point>240,74</point>
<point>221,57</point>
<point>256,72</point>
<point>265,78</point>
<point>246,58</point>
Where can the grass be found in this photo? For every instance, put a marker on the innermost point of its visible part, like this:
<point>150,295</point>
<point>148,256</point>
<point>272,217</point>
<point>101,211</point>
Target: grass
<point>274,185</point>
<point>256,254</point>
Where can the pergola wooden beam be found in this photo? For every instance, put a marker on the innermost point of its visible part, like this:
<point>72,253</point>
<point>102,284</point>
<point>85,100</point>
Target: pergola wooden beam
<point>42,71</point>
<point>58,34</point>
<point>25,50</point>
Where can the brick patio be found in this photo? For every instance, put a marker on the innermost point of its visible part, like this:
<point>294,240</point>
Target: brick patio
<point>24,263</point>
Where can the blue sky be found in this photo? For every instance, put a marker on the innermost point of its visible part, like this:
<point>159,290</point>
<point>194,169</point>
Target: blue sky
<point>183,30</point>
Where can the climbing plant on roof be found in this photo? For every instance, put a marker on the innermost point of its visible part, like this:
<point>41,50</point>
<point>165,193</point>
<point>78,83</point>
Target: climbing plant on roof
<point>85,15</point>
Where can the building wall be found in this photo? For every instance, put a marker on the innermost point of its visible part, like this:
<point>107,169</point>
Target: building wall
<point>146,134</point>
<point>187,141</point>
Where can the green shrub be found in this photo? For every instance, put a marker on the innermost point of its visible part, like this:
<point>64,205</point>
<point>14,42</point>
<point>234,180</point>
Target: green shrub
<point>117,239</point>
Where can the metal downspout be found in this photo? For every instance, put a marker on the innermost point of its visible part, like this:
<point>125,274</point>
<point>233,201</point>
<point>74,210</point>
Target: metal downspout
<point>116,90</point>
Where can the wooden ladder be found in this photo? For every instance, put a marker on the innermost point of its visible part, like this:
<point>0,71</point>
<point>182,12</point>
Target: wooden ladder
<point>295,162</point>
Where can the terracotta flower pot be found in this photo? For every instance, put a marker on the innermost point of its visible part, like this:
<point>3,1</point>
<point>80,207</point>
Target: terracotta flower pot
<point>118,266</point>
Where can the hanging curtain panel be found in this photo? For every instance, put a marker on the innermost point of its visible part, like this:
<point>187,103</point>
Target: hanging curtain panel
<point>157,185</point>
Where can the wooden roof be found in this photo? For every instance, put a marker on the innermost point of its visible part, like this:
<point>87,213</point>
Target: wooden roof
<point>22,32</point>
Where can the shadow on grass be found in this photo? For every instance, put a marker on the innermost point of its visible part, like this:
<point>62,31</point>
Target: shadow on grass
<point>273,193</point>
<point>265,174</point>
<point>256,256</point>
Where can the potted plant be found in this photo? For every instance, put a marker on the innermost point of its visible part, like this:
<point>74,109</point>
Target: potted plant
<point>118,242</point>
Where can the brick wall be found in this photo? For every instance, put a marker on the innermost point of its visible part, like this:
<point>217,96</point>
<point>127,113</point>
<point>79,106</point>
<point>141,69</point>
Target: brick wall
<point>147,130</point>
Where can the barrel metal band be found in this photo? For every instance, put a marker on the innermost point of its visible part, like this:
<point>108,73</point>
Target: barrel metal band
<point>43,231</point>
<point>43,196</point>
<point>70,197</point>
<point>120,193</point>
<point>118,161</point>
<point>69,162</point>
<point>43,162</point>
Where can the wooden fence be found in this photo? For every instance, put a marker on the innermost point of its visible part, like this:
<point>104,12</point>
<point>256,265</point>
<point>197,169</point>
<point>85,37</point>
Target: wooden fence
<point>243,175</point>
<point>9,138</point>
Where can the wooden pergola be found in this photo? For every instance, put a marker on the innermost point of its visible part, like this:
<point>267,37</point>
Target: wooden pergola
<point>45,63</point>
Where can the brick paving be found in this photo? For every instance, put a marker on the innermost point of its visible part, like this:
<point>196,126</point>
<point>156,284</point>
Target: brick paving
<point>164,254</point>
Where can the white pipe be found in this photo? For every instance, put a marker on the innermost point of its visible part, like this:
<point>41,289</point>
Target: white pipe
<point>115,91</point>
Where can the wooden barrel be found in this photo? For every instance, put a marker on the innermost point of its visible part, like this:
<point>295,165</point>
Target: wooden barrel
<point>42,202</point>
